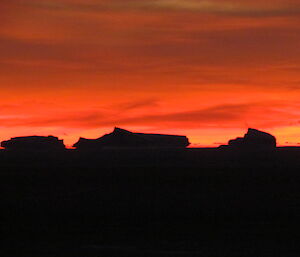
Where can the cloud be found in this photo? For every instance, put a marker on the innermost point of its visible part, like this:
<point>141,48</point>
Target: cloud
<point>159,63</point>
<point>222,113</point>
<point>263,115</point>
<point>47,114</point>
<point>209,124</point>
<point>256,8</point>
<point>137,105</point>
<point>227,115</point>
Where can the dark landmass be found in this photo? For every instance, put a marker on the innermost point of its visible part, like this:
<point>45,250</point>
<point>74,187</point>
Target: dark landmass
<point>121,138</point>
<point>253,139</point>
<point>38,143</point>
<point>151,201</point>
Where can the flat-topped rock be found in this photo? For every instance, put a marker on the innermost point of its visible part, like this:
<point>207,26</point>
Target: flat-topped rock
<point>33,143</point>
<point>121,138</point>
<point>254,139</point>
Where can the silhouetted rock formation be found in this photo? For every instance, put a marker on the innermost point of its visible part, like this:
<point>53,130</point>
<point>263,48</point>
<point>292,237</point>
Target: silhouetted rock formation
<point>33,143</point>
<point>254,139</point>
<point>120,138</point>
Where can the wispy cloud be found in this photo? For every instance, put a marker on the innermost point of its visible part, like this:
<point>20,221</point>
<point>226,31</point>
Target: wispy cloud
<point>229,115</point>
<point>148,63</point>
<point>231,7</point>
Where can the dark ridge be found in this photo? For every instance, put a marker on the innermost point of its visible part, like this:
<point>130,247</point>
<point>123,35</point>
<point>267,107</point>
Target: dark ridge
<point>121,138</point>
<point>33,143</point>
<point>160,201</point>
<point>150,202</point>
<point>253,140</point>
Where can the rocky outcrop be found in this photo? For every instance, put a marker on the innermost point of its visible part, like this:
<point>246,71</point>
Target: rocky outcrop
<point>254,139</point>
<point>121,138</point>
<point>33,143</point>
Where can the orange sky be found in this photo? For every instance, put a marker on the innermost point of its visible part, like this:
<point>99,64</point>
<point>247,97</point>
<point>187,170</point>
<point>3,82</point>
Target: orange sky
<point>206,69</point>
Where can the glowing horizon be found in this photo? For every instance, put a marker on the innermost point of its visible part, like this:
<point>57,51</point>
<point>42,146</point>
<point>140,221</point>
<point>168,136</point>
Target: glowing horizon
<point>205,69</point>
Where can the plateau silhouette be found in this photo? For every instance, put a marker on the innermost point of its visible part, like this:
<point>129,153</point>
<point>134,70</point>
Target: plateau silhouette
<point>253,140</point>
<point>33,143</point>
<point>121,138</point>
<point>149,195</point>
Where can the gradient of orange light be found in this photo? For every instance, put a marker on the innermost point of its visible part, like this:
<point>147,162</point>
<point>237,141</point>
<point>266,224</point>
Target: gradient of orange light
<point>74,82</point>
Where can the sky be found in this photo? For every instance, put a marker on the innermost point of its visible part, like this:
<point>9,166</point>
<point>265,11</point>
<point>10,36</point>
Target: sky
<point>206,69</point>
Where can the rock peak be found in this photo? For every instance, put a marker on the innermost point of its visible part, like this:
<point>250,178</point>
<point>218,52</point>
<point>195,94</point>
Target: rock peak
<point>254,139</point>
<point>120,131</point>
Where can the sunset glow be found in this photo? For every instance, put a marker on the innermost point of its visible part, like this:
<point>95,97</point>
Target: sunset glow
<point>206,69</point>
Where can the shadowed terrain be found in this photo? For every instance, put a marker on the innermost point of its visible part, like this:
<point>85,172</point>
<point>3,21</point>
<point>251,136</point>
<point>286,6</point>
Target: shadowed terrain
<point>121,138</point>
<point>150,202</point>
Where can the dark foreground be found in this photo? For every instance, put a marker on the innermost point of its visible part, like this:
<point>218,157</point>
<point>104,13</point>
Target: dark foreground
<point>191,202</point>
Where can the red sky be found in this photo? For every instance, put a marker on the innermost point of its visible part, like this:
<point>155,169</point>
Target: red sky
<point>206,69</point>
